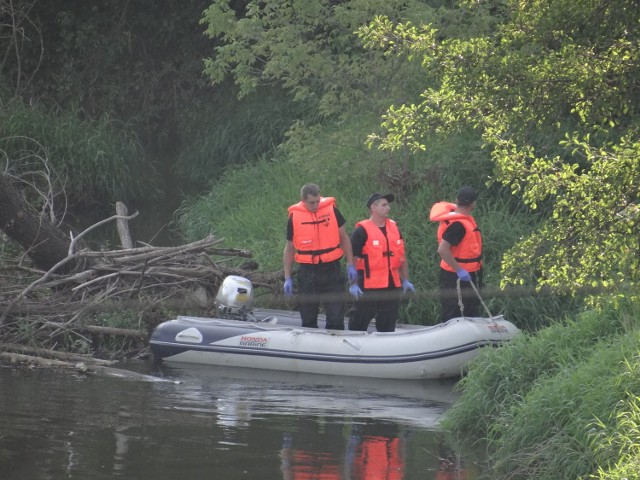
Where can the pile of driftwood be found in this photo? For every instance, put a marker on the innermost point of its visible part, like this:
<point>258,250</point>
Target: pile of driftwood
<point>57,309</point>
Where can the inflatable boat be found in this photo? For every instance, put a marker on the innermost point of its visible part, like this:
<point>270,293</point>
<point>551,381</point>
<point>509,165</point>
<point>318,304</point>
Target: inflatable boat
<point>275,340</point>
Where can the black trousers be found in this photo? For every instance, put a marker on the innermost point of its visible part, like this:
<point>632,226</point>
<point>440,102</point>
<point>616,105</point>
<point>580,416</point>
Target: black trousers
<point>383,304</point>
<point>448,294</point>
<point>321,284</point>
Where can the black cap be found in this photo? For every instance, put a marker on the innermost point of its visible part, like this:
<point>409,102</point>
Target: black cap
<point>377,196</point>
<point>466,196</point>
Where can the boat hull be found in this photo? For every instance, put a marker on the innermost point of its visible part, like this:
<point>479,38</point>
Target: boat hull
<point>276,341</point>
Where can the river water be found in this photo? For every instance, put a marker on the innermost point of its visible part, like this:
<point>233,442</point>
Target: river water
<point>195,422</point>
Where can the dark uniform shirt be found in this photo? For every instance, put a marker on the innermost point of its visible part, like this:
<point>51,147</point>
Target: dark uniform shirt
<point>454,233</point>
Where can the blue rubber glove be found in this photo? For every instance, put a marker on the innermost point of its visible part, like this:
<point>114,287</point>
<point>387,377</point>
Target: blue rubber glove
<point>352,273</point>
<point>407,286</point>
<point>463,275</point>
<point>288,286</point>
<point>355,291</point>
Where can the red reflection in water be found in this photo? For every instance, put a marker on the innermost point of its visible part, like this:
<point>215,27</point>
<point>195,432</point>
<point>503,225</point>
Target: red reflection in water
<point>378,458</point>
<point>365,458</point>
<point>303,465</point>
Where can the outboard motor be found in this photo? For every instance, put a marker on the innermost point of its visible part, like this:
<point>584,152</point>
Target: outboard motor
<point>235,298</point>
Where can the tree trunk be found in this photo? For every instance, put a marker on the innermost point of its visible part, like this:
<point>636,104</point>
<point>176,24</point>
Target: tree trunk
<point>45,244</point>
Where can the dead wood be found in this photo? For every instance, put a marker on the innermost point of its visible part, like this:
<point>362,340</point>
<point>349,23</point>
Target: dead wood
<point>52,354</point>
<point>59,310</point>
<point>121,332</point>
<point>160,273</point>
<point>83,368</point>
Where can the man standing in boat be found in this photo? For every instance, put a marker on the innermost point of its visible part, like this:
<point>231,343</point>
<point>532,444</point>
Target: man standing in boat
<point>460,250</point>
<point>383,273</point>
<point>317,240</point>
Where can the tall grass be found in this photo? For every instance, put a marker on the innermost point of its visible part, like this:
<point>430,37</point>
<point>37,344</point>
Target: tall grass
<point>536,400</point>
<point>617,444</point>
<point>94,162</point>
<point>234,134</point>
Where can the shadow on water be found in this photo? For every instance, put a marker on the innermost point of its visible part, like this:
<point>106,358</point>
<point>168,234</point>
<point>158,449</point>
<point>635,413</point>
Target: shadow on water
<point>200,422</point>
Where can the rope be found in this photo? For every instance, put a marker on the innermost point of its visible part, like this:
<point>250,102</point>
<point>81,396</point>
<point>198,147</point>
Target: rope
<point>460,304</point>
<point>475,289</point>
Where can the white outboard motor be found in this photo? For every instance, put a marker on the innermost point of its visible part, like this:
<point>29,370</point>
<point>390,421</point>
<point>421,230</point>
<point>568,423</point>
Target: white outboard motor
<point>235,297</point>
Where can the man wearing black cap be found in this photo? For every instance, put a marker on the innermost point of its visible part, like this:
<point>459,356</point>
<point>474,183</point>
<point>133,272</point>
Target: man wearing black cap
<point>378,249</point>
<point>460,250</point>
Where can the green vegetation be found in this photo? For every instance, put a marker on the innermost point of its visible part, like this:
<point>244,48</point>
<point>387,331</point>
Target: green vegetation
<point>236,133</point>
<point>552,90</point>
<point>91,163</point>
<point>533,103</point>
<point>549,405</point>
<point>309,49</point>
<point>550,94</point>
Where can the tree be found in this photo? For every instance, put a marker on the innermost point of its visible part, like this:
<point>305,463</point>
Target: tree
<point>306,47</point>
<point>45,244</point>
<point>551,85</point>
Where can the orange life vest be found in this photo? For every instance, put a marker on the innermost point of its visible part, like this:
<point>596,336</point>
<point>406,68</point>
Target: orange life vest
<point>381,254</point>
<point>316,235</point>
<point>468,253</point>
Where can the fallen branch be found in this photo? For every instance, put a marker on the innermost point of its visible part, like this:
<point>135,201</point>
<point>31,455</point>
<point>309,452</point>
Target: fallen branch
<point>52,354</point>
<point>55,308</point>
<point>80,367</point>
<point>121,332</point>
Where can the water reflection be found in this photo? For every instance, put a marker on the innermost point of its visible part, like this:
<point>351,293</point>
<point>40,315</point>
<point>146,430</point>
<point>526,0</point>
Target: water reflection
<point>451,466</point>
<point>251,394</point>
<point>218,423</point>
<point>369,452</point>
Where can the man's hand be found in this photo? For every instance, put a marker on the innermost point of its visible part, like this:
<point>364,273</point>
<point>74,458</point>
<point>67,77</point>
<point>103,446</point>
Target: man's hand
<point>288,287</point>
<point>355,291</point>
<point>407,286</point>
<point>463,275</point>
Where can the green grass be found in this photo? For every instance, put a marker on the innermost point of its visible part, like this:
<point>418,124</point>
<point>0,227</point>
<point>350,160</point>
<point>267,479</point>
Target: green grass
<point>237,133</point>
<point>94,162</point>
<point>617,444</point>
<point>536,400</point>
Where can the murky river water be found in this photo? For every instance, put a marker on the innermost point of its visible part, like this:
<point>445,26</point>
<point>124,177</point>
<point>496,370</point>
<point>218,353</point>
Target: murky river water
<point>215,423</point>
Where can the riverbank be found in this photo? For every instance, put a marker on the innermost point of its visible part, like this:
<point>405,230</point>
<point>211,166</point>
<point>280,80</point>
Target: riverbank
<point>562,403</point>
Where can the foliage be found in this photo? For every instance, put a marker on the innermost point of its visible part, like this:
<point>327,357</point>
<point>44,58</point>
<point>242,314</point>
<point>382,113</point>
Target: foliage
<point>137,61</point>
<point>85,163</point>
<point>306,47</point>
<point>536,399</point>
<point>235,133</point>
<point>552,90</point>
<point>138,64</point>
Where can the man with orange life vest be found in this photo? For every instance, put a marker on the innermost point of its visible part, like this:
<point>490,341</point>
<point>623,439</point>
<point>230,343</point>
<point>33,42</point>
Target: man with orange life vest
<point>378,248</point>
<point>317,240</point>
<point>460,248</point>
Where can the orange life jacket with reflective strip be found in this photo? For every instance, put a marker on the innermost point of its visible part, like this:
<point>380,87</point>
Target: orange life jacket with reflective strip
<point>381,254</point>
<point>316,235</point>
<point>468,253</point>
